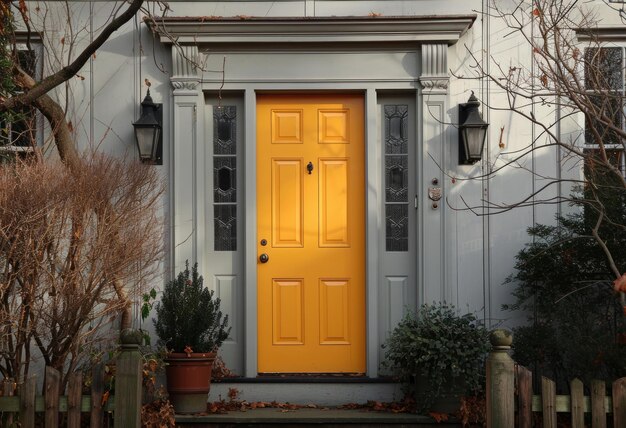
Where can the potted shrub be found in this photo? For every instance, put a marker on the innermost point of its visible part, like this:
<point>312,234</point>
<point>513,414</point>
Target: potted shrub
<point>191,326</point>
<point>438,356</point>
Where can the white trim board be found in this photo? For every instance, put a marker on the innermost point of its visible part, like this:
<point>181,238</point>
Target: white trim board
<point>200,30</point>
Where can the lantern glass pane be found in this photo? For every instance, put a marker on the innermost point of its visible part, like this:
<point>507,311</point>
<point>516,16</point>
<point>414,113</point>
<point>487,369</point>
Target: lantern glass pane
<point>473,141</point>
<point>145,138</point>
<point>155,142</point>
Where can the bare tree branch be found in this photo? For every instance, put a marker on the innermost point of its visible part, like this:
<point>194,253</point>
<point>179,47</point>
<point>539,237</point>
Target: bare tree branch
<point>69,71</point>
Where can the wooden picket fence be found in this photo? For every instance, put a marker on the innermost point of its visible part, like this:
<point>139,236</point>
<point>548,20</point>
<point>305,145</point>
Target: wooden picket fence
<point>20,409</point>
<point>511,403</point>
<point>27,403</point>
<point>576,404</point>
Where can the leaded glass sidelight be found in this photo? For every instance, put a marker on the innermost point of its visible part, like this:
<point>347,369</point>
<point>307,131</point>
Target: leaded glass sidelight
<point>225,224</point>
<point>396,129</point>
<point>225,177</point>
<point>397,227</point>
<point>396,177</point>
<point>225,130</point>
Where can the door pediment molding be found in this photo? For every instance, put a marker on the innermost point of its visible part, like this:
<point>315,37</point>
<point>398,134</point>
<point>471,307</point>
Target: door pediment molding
<point>418,29</point>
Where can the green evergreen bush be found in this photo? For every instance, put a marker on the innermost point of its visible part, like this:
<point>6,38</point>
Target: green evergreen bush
<point>188,315</point>
<point>575,321</point>
<point>440,347</point>
<point>564,283</point>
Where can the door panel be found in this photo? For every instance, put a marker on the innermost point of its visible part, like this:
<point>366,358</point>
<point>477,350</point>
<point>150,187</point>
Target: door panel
<point>311,214</point>
<point>288,311</point>
<point>286,126</point>
<point>287,218</point>
<point>334,312</point>
<point>333,207</point>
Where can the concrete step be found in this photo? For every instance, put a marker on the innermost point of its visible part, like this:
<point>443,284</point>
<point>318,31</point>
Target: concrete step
<point>307,418</point>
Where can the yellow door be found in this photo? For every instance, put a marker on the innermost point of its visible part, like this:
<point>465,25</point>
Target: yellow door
<point>311,227</point>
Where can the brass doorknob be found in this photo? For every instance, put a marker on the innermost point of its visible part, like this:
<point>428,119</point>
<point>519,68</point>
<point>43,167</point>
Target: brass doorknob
<point>264,258</point>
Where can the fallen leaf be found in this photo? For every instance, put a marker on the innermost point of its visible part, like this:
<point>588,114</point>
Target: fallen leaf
<point>188,351</point>
<point>439,417</point>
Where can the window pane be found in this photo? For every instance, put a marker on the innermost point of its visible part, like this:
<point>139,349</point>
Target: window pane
<point>604,191</point>
<point>603,68</point>
<point>28,62</point>
<point>595,166</point>
<point>607,106</point>
<point>19,128</point>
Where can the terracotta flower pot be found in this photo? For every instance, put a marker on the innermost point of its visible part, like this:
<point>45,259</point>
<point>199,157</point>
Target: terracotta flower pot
<point>189,380</point>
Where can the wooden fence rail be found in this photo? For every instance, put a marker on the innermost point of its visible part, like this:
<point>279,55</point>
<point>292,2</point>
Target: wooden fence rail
<point>511,403</point>
<point>24,405</point>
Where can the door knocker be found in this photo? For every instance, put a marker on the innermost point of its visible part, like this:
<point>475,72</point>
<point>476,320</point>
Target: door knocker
<point>309,167</point>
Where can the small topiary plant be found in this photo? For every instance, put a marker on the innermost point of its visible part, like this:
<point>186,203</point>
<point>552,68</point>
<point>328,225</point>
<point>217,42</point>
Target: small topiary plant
<point>188,316</point>
<point>439,350</point>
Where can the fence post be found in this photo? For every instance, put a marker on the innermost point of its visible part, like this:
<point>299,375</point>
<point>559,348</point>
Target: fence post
<point>97,391</point>
<point>500,381</point>
<point>619,402</point>
<point>128,381</point>
<point>52,385</point>
<point>28,393</point>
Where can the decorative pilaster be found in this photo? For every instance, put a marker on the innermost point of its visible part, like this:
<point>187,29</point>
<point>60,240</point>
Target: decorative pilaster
<point>437,268</point>
<point>187,157</point>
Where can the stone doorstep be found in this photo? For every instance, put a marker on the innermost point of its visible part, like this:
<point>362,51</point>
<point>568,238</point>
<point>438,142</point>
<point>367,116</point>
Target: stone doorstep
<point>302,392</point>
<point>304,417</point>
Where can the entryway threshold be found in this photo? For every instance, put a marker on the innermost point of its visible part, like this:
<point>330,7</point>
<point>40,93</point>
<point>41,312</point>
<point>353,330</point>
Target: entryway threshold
<point>331,417</point>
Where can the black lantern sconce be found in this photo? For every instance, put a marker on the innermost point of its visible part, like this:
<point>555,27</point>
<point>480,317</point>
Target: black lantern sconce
<point>148,133</point>
<point>472,132</point>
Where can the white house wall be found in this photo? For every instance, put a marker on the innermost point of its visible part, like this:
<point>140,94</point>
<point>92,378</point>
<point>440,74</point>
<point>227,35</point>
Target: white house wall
<point>462,258</point>
<point>103,99</point>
